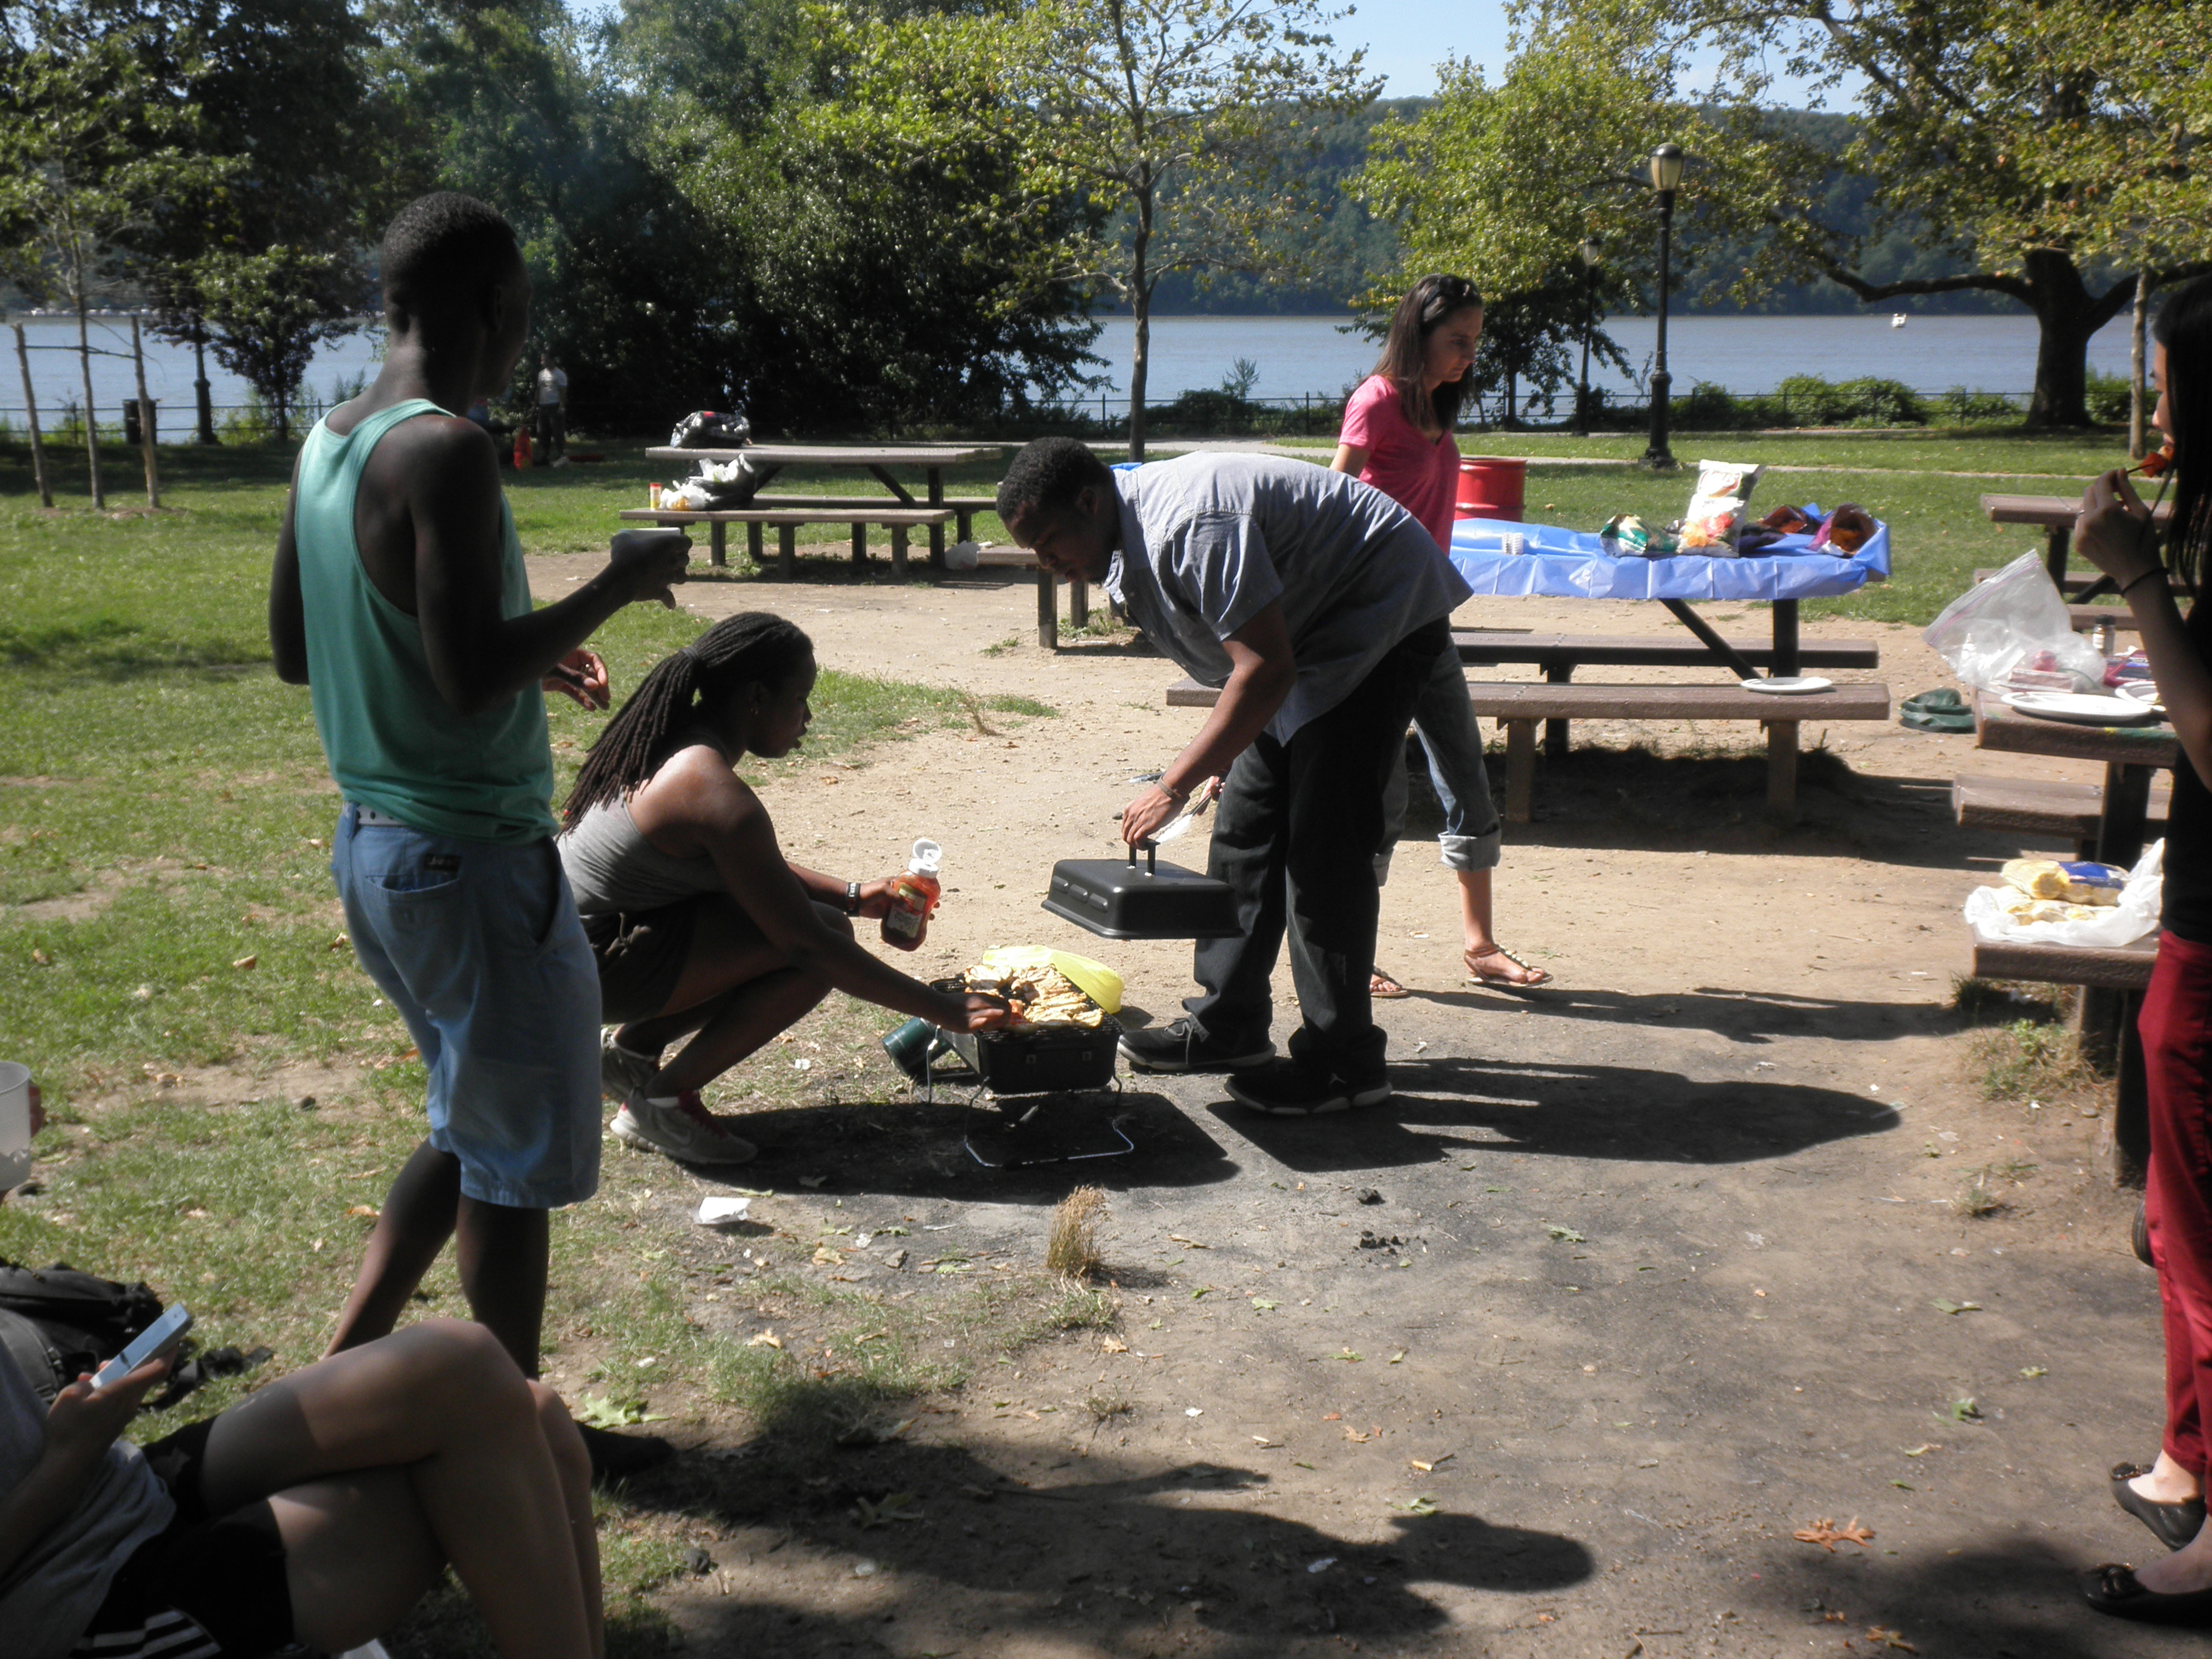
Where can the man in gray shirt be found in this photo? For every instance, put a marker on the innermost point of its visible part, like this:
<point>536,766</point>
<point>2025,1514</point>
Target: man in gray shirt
<point>1319,606</point>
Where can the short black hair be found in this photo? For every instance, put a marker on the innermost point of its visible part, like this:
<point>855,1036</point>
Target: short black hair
<point>443,245</point>
<point>1049,473</point>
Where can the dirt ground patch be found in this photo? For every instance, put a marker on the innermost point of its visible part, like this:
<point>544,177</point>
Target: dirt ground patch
<point>1633,1278</point>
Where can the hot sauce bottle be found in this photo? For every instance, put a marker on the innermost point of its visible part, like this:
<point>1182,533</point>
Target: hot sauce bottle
<point>913,895</point>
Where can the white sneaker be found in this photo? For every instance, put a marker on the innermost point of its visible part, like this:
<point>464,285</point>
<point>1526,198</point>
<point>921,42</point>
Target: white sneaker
<point>623,1073</point>
<point>686,1131</point>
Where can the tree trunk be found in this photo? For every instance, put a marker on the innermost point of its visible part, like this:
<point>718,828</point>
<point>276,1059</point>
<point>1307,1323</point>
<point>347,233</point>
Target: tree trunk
<point>31,410</point>
<point>2066,315</point>
<point>91,422</point>
<point>1140,307</point>
<point>200,388</point>
<point>2138,415</point>
<point>145,420</point>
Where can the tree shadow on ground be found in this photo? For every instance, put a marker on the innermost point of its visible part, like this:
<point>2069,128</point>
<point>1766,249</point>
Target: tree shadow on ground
<point>1109,1557</point>
<point>920,1149</point>
<point>1471,1107</point>
<point>2014,1598</point>
<point>1746,1016</point>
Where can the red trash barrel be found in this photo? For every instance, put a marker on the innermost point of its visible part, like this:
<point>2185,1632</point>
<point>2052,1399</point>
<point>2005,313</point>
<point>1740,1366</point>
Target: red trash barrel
<point>1491,487</point>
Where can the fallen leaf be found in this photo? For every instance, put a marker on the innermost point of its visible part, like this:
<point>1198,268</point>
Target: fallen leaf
<point>1922,1450</point>
<point>1114,1344</point>
<point>1398,1358</point>
<point>41,958</point>
<point>1263,1305</point>
<point>1349,1356</point>
<point>1827,1535</point>
<point>898,1506</point>
<point>1422,1505</point>
<point>245,963</point>
<point>598,1411</point>
<point>1943,1306</point>
<point>826,1257</point>
<point>1890,1639</point>
<point>765,1340</point>
<point>1333,1417</point>
<point>1566,1235</point>
<point>361,1210</point>
<point>1202,1291</point>
<point>2031,1372</point>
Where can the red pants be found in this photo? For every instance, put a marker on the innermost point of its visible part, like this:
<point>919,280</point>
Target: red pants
<point>2176,1029</point>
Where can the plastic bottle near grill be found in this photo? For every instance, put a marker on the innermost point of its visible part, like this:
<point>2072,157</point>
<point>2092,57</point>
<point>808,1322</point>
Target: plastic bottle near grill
<point>913,895</point>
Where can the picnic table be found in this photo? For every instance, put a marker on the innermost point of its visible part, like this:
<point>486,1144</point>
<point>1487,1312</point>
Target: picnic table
<point>878,460</point>
<point>2111,983</point>
<point>2052,514</point>
<point>1561,563</point>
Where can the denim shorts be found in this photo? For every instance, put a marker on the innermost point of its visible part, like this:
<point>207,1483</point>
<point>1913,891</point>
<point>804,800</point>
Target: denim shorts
<point>478,947</point>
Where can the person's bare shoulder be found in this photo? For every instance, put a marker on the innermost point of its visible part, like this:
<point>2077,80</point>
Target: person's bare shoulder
<point>436,452</point>
<point>695,789</point>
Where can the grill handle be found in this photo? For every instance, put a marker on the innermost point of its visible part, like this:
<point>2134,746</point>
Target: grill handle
<point>1151,858</point>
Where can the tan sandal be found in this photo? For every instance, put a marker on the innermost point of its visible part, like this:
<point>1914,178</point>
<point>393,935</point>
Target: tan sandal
<point>1384,988</point>
<point>1530,977</point>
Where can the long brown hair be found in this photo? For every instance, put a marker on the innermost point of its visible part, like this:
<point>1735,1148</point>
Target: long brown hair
<point>1405,349</point>
<point>2185,329</point>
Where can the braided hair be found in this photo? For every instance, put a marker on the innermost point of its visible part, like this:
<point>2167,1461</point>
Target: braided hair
<point>755,647</point>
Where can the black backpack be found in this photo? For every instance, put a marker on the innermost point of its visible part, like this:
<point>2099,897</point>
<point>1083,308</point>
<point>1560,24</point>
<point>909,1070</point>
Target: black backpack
<point>58,1324</point>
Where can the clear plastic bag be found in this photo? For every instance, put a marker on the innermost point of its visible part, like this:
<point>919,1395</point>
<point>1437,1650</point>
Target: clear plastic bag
<point>2106,927</point>
<point>2015,619</point>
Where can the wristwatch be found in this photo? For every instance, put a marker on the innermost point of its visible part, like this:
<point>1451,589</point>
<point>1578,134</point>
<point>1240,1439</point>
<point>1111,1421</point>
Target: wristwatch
<point>852,898</point>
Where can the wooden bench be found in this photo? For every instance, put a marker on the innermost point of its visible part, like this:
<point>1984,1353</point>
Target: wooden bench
<point>2064,812</point>
<point>858,514</point>
<point>1078,594</point>
<point>1519,707</point>
<point>2121,974</point>
<point>1559,654</point>
<point>963,508</point>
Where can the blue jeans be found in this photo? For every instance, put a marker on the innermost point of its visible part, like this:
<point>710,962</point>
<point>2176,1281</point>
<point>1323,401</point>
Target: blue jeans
<point>1473,838</point>
<point>478,947</point>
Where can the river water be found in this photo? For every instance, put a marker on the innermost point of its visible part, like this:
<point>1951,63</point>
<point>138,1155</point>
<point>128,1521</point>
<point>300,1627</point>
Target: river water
<point>1294,356</point>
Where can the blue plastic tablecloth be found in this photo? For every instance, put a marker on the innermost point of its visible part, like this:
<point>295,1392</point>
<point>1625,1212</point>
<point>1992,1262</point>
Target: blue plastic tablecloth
<point>1570,564</point>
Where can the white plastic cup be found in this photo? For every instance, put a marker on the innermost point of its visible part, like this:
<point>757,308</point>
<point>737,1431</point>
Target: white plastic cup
<point>964,555</point>
<point>1513,543</point>
<point>14,1124</point>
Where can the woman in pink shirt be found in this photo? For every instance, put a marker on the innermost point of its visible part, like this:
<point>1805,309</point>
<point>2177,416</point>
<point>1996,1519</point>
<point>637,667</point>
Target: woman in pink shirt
<point>1397,436</point>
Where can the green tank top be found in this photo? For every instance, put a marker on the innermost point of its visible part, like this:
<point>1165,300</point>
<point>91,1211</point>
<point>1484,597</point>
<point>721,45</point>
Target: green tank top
<point>394,742</point>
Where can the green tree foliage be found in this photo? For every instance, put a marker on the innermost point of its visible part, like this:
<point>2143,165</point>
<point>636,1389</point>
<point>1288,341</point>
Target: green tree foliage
<point>267,312</point>
<point>98,129</point>
<point>1188,126</point>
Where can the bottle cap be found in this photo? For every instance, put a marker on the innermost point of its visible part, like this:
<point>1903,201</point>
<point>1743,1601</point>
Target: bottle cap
<point>927,855</point>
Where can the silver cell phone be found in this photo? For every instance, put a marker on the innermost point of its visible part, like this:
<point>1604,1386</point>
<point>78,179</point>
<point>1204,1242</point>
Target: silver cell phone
<point>157,1342</point>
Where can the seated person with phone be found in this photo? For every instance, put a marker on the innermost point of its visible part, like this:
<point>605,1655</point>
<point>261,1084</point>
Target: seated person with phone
<point>318,1510</point>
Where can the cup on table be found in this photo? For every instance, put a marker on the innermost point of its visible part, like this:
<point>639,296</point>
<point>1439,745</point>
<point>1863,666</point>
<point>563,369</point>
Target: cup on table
<point>1513,543</point>
<point>14,1124</point>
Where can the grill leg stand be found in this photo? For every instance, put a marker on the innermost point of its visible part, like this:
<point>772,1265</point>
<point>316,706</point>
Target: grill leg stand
<point>1047,611</point>
<point>718,544</point>
<point>1782,770</point>
<point>787,551</point>
<point>1520,771</point>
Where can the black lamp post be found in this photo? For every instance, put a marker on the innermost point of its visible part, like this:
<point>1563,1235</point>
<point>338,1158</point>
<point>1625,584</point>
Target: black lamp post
<point>1665,179</point>
<point>1591,249</point>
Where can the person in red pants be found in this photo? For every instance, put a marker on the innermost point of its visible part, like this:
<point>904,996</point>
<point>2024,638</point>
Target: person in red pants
<point>2116,531</point>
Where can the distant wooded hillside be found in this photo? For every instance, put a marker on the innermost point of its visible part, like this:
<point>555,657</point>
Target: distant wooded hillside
<point>1353,246</point>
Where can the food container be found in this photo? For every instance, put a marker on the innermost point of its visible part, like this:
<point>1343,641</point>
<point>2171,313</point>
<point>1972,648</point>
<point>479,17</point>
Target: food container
<point>1154,901</point>
<point>1039,1060</point>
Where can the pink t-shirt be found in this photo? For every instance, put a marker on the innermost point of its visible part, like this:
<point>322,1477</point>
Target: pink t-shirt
<point>1421,474</point>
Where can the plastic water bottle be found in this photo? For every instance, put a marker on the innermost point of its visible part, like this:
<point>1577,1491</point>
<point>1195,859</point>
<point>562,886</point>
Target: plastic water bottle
<point>913,895</point>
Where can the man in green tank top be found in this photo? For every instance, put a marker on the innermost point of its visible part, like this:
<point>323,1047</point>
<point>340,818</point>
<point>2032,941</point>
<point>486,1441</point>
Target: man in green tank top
<point>399,598</point>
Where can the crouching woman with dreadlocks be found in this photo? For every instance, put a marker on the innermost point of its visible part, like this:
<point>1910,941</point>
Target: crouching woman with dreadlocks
<point>698,921</point>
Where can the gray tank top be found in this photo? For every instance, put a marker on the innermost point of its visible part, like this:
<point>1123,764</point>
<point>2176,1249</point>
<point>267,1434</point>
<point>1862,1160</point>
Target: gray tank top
<point>611,866</point>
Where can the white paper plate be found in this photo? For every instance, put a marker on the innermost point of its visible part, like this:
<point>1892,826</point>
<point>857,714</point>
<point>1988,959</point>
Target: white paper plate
<point>1790,685</point>
<point>2080,710</point>
<point>2143,691</point>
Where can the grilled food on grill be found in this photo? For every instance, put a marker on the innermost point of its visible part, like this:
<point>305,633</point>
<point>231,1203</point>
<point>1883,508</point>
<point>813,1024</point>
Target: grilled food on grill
<point>1040,996</point>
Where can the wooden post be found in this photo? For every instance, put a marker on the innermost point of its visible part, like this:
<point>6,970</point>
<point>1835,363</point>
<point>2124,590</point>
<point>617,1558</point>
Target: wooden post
<point>753,542</point>
<point>859,543</point>
<point>1047,611</point>
<point>899,550</point>
<point>31,410</point>
<point>145,419</point>
<point>937,530</point>
<point>1520,771</point>
<point>1555,732</point>
<point>1079,605</point>
<point>787,551</point>
<point>1782,770</point>
<point>718,544</point>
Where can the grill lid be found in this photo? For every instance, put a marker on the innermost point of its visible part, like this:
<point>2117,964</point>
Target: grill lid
<point>1115,900</point>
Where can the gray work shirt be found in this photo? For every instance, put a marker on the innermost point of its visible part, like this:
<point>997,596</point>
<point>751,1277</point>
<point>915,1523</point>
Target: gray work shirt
<point>1209,540</point>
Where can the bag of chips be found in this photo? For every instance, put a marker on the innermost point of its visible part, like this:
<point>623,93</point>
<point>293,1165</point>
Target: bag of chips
<point>1717,511</point>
